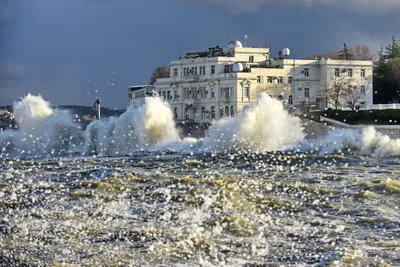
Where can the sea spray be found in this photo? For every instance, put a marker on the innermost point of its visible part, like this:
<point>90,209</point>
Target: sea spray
<point>41,129</point>
<point>365,141</point>
<point>150,126</point>
<point>266,127</point>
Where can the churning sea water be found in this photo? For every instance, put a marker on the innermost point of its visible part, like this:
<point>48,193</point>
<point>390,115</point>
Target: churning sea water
<point>128,191</point>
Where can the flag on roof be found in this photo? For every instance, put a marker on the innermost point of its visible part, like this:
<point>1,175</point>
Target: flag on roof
<point>245,37</point>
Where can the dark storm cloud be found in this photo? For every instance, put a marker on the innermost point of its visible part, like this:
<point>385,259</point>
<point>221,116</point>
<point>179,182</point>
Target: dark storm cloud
<point>71,51</point>
<point>240,6</point>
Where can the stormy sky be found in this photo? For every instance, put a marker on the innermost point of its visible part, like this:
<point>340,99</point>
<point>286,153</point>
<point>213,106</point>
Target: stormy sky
<point>71,51</point>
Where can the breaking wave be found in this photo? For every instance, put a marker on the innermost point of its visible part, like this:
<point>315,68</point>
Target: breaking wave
<point>267,126</point>
<point>366,141</point>
<point>41,129</point>
<point>150,126</point>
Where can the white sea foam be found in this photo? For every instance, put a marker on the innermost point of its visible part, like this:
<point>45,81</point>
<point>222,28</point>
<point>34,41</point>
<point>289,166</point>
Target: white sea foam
<point>41,129</point>
<point>266,127</point>
<point>366,141</point>
<point>150,126</point>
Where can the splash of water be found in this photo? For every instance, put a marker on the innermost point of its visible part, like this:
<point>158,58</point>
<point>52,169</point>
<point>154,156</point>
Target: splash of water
<point>41,129</point>
<point>266,127</point>
<point>150,126</point>
<point>366,141</point>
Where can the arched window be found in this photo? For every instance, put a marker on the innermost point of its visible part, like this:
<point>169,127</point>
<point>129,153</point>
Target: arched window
<point>227,111</point>
<point>290,100</point>
<point>212,112</point>
<point>280,97</point>
<point>176,113</point>
<point>232,111</point>
<point>221,112</point>
<point>203,113</point>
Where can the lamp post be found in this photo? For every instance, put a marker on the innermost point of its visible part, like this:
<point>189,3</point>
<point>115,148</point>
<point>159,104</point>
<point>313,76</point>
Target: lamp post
<point>98,107</point>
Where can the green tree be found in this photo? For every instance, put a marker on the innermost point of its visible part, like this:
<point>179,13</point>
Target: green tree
<point>346,53</point>
<point>387,73</point>
<point>392,50</point>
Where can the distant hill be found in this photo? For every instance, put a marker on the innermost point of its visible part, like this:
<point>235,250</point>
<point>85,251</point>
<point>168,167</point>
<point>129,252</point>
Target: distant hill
<point>82,114</point>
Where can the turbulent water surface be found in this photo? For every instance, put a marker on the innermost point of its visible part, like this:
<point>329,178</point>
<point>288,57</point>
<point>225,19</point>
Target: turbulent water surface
<point>128,192</point>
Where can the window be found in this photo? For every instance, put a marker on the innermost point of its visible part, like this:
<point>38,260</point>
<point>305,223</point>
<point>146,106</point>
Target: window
<point>350,72</point>
<point>227,68</point>
<point>175,94</point>
<point>186,114</point>
<point>175,72</point>
<point>337,74</point>
<point>168,95</point>
<point>246,91</point>
<point>290,80</point>
<point>232,111</point>
<point>184,71</point>
<point>306,72</point>
<point>306,92</point>
<point>201,92</point>
<point>251,58</point>
<point>202,70</point>
<point>362,89</point>
<point>290,100</point>
<point>187,93</point>
<point>258,79</point>
<point>269,79</point>
<point>176,113</point>
<point>164,93</point>
<point>212,92</point>
<point>212,69</point>
<point>195,113</point>
<point>280,97</point>
<point>363,73</point>
<point>203,113</point>
<point>227,111</point>
<point>280,79</point>
<point>213,112</point>
<point>221,112</point>
<point>225,92</point>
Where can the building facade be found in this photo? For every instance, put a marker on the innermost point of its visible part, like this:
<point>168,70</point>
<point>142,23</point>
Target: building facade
<point>218,83</point>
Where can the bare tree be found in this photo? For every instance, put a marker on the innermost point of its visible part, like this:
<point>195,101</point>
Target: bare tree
<point>159,72</point>
<point>335,90</point>
<point>352,97</point>
<point>362,52</point>
<point>332,55</point>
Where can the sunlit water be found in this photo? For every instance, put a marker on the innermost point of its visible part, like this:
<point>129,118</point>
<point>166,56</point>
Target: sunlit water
<point>129,192</point>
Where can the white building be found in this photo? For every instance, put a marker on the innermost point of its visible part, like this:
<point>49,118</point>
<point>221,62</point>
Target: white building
<point>137,94</point>
<point>205,86</point>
